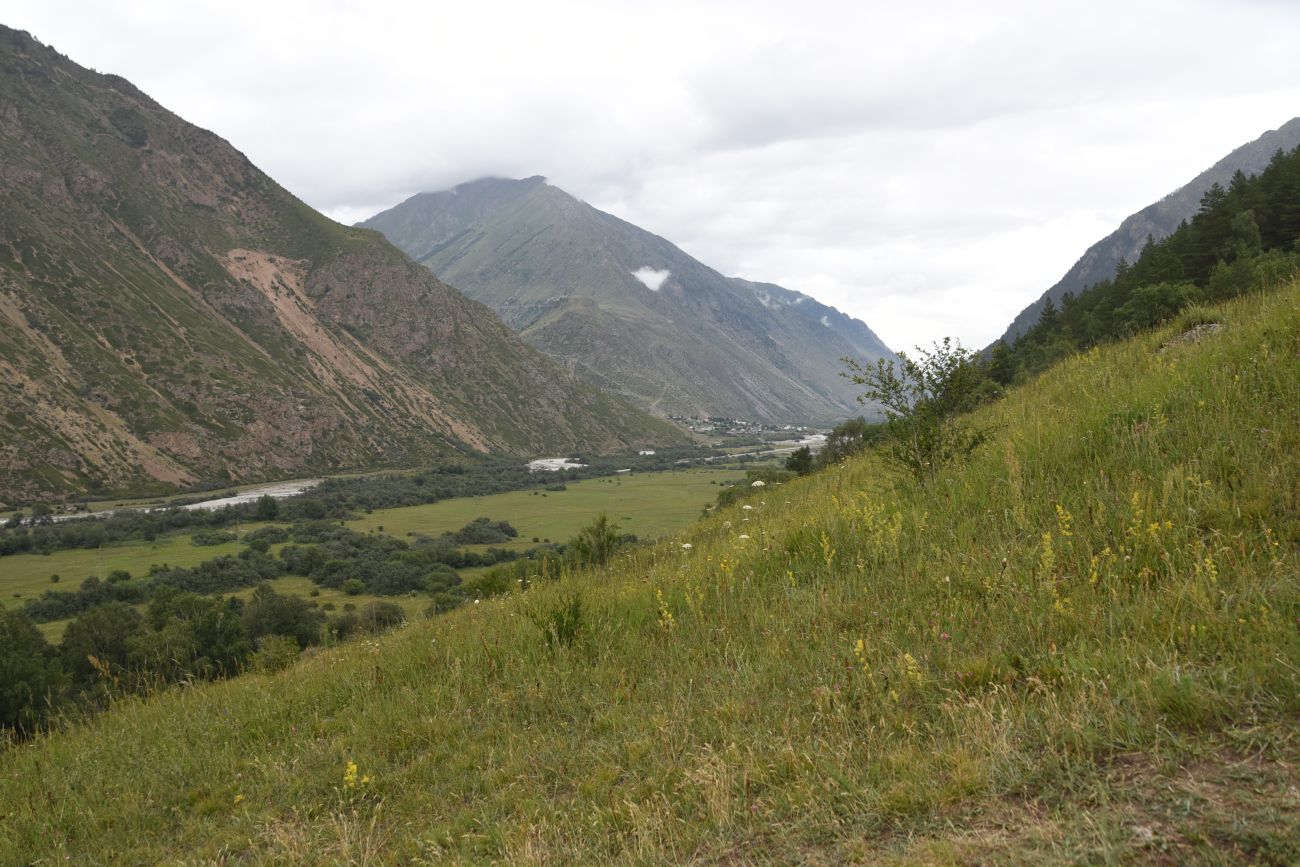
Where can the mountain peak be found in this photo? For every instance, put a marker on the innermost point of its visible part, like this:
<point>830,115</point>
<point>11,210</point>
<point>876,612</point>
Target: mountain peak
<point>630,311</point>
<point>492,184</point>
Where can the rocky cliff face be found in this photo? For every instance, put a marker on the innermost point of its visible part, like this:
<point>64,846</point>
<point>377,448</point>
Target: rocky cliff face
<point>1157,221</point>
<point>169,315</point>
<point>627,310</point>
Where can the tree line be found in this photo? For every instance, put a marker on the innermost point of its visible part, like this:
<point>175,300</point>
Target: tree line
<point>333,499</point>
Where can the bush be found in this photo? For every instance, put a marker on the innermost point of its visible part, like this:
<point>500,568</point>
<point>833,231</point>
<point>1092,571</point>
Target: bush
<point>483,531</point>
<point>920,399</point>
<point>207,538</point>
<point>275,653</point>
<point>595,543</point>
<point>848,438</point>
<point>800,461</point>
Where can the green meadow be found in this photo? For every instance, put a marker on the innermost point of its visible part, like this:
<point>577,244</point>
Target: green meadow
<point>648,505</point>
<point>23,576</point>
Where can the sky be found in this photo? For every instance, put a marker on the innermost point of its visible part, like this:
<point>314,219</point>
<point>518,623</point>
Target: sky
<point>930,170</point>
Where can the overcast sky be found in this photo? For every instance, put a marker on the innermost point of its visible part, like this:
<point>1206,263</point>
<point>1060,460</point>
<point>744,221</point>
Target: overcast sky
<point>929,170</point>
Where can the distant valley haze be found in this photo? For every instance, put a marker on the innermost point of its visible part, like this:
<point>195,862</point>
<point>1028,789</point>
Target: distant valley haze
<point>929,171</point>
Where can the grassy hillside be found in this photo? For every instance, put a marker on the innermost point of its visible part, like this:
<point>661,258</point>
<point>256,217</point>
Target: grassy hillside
<point>1083,646</point>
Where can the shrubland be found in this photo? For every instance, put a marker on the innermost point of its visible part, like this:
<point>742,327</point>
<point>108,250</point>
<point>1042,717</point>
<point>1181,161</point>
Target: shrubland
<point>1082,643</point>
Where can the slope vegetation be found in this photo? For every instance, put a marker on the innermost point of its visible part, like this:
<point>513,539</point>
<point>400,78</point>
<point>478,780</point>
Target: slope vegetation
<point>629,311</point>
<point>169,314</point>
<point>1082,646</point>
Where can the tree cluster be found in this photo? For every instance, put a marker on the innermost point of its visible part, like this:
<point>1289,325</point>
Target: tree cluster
<point>113,649</point>
<point>922,399</point>
<point>328,554</point>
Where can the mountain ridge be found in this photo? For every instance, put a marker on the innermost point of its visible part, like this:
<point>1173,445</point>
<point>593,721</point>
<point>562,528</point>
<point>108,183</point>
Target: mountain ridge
<point>1157,221</point>
<point>680,338</point>
<point>171,315</point>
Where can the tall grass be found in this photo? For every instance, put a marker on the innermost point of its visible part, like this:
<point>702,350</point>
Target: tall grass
<point>851,665</point>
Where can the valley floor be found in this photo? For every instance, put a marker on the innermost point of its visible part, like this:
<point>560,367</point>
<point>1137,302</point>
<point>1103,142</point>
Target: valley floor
<point>646,504</point>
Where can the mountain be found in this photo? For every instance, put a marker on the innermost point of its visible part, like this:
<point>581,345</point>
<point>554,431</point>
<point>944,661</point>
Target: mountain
<point>170,315</point>
<point>1157,221</point>
<point>629,311</point>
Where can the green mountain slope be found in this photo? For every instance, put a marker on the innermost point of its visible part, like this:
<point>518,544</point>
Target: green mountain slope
<point>1157,220</point>
<point>1082,647</point>
<point>169,314</point>
<point>682,340</point>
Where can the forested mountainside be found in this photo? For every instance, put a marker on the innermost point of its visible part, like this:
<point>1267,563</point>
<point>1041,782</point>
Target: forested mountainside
<point>1156,221</point>
<point>628,310</point>
<point>170,315</point>
<point>1243,239</point>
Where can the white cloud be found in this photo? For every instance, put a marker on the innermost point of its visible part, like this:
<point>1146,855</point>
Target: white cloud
<point>928,169</point>
<point>653,280</point>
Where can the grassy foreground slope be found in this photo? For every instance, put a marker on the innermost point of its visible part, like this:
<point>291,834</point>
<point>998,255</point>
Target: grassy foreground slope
<point>1082,646</point>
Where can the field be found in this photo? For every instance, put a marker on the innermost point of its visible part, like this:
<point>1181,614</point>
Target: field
<point>647,504</point>
<point>23,576</point>
<point>1083,646</point>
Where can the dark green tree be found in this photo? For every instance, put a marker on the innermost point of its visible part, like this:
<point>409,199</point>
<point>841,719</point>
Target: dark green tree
<point>1002,365</point>
<point>848,438</point>
<point>96,646</point>
<point>1047,315</point>
<point>800,461</point>
<point>268,508</point>
<point>189,635</point>
<point>31,679</point>
<point>270,613</point>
